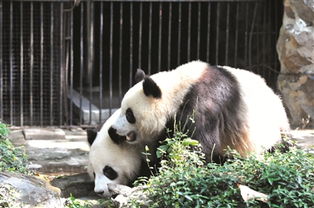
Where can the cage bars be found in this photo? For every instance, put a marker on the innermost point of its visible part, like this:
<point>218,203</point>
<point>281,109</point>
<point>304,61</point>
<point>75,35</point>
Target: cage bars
<point>100,44</point>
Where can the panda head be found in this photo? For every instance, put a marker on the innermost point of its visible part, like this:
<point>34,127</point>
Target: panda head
<point>143,112</point>
<point>110,162</point>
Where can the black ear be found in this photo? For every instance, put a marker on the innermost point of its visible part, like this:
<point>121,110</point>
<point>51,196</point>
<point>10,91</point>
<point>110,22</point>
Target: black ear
<point>91,135</point>
<point>151,88</point>
<point>139,75</point>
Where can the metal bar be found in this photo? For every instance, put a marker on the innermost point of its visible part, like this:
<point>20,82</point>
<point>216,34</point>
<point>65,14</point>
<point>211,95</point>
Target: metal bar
<point>21,64</point>
<point>1,60</point>
<point>251,35</point>
<point>111,58</point>
<point>189,33</point>
<point>179,33</point>
<point>159,36</point>
<point>131,44</point>
<point>90,31</point>
<point>11,62</point>
<point>269,34</point>
<point>150,38</point>
<point>67,55</point>
<point>62,68</point>
<point>140,36</point>
<point>81,58</point>
<point>276,26</point>
<point>257,41</point>
<point>51,60</point>
<point>264,32</point>
<point>198,30</point>
<point>236,36</point>
<point>227,35</point>
<point>41,62</point>
<point>31,61</point>
<point>217,34</point>
<point>101,33</point>
<point>208,32</point>
<point>246,33</point>
<point>71,65</point>
<point>120,51</point>
<point>169,35</point>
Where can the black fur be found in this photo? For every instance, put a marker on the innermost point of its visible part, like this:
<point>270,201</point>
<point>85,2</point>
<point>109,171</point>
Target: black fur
<point>139,75</point>
<point>151,88</point>
<point>110,172</point>
<point>91,135</point>
<point>116,138</point>
<point>211,105</point>
<point>130,116</point>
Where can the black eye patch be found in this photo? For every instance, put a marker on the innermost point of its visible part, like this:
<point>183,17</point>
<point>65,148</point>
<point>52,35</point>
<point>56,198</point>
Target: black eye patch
<point>130,116</point>
<point>110,173</point>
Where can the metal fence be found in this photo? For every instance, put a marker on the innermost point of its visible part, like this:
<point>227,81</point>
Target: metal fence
<point>68,63</point>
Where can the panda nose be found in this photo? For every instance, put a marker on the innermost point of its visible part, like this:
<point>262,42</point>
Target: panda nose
<point>99,192</point>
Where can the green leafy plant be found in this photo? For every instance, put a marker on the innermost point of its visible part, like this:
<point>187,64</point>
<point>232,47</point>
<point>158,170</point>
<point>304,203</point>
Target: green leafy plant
<point>11,158</point>
<point>186,180</point>
<point>73,202</point>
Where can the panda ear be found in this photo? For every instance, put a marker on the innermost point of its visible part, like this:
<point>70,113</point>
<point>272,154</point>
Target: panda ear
<point>139,75</point>
<point>91,135</point>
<point>151,88</point>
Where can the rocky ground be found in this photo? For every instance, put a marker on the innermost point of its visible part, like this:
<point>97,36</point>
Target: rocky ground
<point>60,156</point>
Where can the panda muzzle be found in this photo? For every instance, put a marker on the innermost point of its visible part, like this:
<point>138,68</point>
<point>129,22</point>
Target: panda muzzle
<point>131,136</point>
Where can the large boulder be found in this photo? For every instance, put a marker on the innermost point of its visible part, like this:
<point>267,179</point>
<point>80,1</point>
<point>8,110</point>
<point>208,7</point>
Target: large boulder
<point>22,191</point>
<point>295,48</point>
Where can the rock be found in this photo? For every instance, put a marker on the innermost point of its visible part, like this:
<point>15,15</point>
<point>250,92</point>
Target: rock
<point>57,151</point>
<point>44,133</point>
<point>22,191</point>
<point>295,48</point>
<point>125,195</point>
<point>304,139</point>
<point>16,136</point>
<point>79,185</point>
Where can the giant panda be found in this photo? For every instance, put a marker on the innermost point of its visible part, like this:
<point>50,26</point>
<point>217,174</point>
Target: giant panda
<point>113,160</point>
<point>221,107</point>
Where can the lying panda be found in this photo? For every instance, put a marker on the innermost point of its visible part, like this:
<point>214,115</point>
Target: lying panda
<point>112,162</point>
<point>220,107</point>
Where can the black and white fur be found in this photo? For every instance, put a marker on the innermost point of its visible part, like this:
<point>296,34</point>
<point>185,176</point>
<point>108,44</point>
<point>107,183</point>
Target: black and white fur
<point>113,161</point>
<point>218,106</point>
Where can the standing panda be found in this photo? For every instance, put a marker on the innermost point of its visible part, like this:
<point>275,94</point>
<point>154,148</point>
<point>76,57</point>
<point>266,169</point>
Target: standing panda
<point>220,107</point>
<point>113,160</point>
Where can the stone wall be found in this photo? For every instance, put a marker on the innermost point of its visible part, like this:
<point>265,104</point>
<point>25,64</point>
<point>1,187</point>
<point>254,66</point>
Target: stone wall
<point>295,48</point>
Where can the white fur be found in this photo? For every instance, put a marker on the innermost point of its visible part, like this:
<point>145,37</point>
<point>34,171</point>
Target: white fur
<point>125,161</point>
<point>265,115</point>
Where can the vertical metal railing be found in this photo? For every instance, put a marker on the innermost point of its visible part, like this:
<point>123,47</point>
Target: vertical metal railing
<point>1,60</point>
<point>64,64</point>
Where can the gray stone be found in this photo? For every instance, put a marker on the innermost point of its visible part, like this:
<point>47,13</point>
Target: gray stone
<point>22,191</point>
<point>44,133</point>
<point>295,48</point>
<point>304,139</point>
<point>79,185</point>
<point>16,136</point>
<point>58,156</point>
